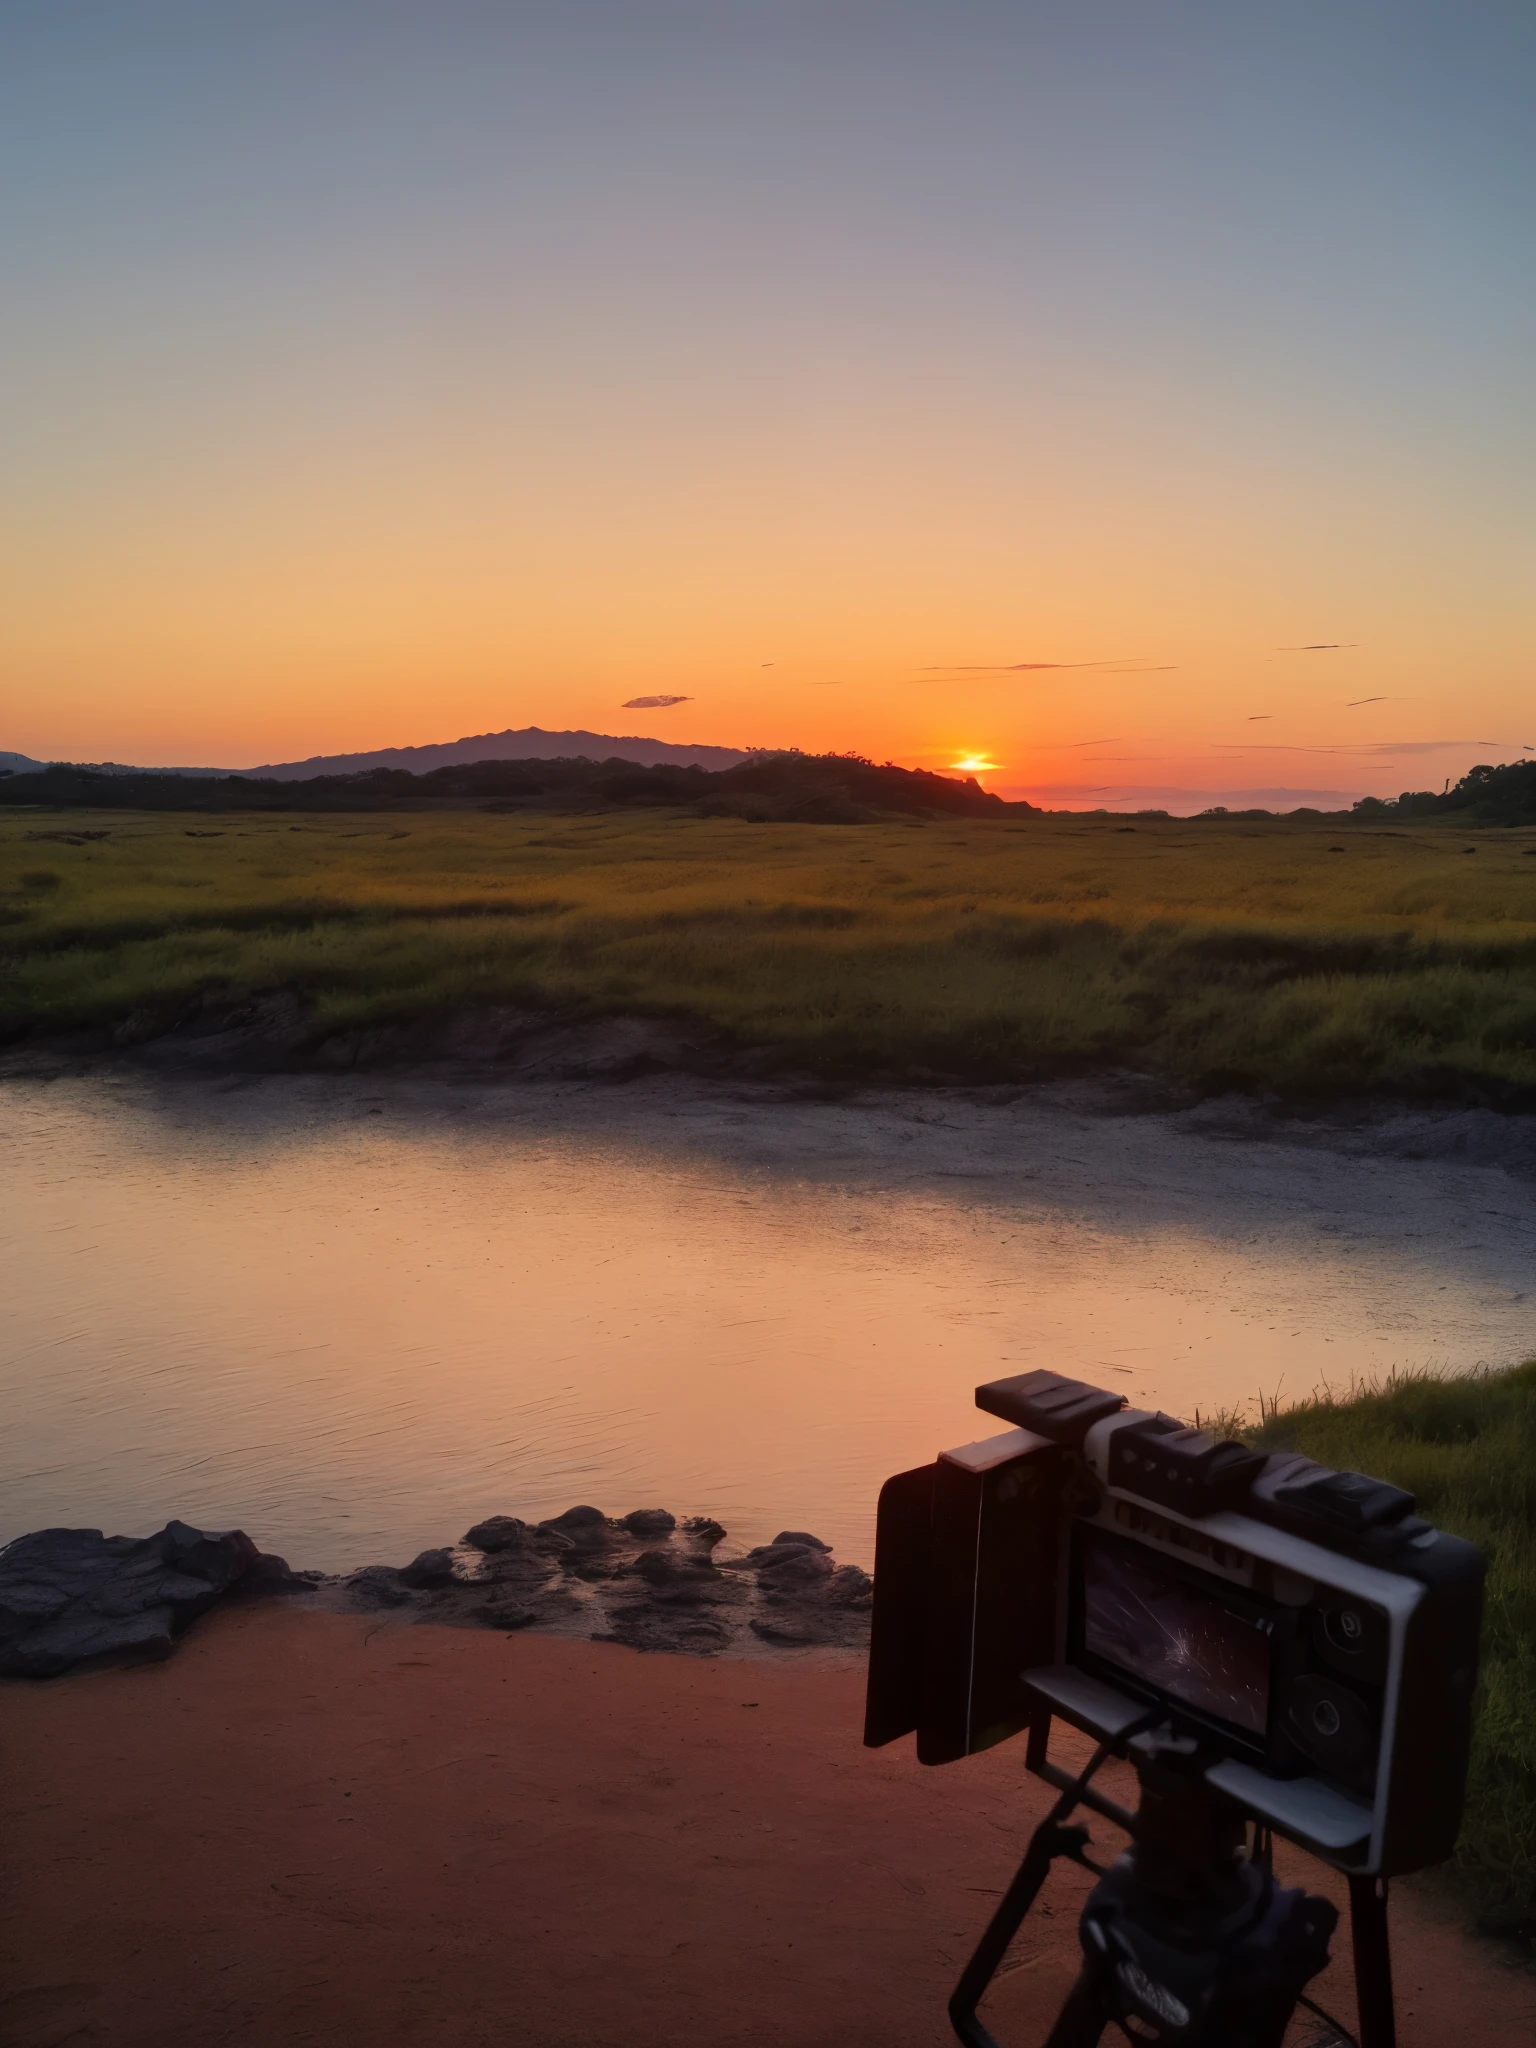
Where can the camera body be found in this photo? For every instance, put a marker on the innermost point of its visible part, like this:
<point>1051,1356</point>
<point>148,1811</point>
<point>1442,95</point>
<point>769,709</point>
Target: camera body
<point>1097,1562</point>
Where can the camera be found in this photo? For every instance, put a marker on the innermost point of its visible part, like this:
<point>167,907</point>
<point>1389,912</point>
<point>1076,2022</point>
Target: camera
<point>1314,1637</point>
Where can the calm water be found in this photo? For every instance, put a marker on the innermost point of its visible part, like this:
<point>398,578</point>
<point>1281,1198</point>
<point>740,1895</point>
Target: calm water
<point>355,1317</point>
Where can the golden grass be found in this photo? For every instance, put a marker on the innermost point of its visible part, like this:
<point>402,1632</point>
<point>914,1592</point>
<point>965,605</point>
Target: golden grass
<point>1294,956</point>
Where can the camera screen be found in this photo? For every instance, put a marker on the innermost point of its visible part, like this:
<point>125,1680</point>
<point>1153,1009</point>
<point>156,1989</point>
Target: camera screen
<point>1191,1645</point>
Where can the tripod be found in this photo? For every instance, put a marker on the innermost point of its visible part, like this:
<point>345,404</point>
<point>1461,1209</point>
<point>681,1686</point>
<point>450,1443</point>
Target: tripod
<point>1185,1940</point>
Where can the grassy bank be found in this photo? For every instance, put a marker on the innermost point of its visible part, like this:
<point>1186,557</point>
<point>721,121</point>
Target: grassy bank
<point>1269,954</point>
<point>1467,1449</point>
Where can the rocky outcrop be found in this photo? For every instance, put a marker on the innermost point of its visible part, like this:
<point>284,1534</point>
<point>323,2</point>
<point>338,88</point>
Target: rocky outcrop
<point>68,1596</point>
<point>644,1579</point>
<point>71,1596</point>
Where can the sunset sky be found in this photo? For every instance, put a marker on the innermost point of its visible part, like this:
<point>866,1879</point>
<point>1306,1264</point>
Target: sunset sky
<point>1136,396</point>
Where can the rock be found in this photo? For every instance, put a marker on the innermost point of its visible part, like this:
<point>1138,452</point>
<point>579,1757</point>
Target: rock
<point>793,1573</point>
<point>499,1532</point>
<point>678,1578</point>
<point>650,1522</point>
<point>592,1567</point>
<point>850,1586</point>
<point>792,1633</point>
<point>644,1627</point>
<point>71,1594</point>
<point>803,1577</point>
<point>704,1529</point>
<point>666,1567</point>
<point>525,1568</point>
<point>581,1528</point>
<point>798,1536</point>
<point>576,1520</point>
<point>557,1603</point>
<point>769,1553</point>
<point>506,1615</point>
<point>430,1568</point>
<point>787,1560</point>
<point>73,1638</point>
<point>270,1575</point>
<point>377,1585</point>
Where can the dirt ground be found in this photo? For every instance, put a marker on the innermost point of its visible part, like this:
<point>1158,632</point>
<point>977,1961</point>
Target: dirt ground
<point>314,1828</point>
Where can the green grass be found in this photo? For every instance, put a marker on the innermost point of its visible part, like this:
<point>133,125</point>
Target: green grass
<point>1467,1449</point>
<point>1262,954</point>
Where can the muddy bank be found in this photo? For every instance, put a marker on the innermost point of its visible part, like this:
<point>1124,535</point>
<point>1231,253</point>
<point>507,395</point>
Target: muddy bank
<point>279,1034</point>
<point>212,1038</point>
<point>314,1827</point>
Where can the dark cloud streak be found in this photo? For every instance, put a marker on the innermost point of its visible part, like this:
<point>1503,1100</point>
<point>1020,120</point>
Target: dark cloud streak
<point>1125,665</point>
<point>1355,747</point>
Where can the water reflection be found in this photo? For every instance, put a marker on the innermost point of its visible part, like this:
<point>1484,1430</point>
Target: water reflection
<point>355,1318</point>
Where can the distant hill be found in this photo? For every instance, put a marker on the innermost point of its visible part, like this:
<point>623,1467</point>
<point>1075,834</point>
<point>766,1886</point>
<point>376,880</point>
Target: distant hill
<point>526,743</point>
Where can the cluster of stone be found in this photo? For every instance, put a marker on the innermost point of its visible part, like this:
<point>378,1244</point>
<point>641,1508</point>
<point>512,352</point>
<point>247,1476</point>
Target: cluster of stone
<point>72,1596</point>
<point>644,1579</point>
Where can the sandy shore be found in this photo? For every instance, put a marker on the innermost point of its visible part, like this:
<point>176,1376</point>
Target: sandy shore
<point>324,1828</point>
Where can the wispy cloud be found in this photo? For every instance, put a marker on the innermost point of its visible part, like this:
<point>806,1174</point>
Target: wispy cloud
<point>1125,665</point>
<point>1070,746</point>
<point>1319,647</point>
<point>1355,703</point>
<point>1359,748</point>
<point>652,703</point>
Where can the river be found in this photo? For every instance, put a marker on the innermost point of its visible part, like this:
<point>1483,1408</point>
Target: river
<point>354,1315</point>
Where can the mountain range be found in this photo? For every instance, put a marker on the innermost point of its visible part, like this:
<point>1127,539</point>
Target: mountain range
<point>525,743</point>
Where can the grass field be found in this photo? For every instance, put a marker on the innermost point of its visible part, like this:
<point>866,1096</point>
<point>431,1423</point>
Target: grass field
<point>1467,1449</point>
<point>1305,958</point>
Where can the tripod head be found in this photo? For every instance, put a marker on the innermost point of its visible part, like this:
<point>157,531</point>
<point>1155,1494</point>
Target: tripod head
<point>1186,1938</point>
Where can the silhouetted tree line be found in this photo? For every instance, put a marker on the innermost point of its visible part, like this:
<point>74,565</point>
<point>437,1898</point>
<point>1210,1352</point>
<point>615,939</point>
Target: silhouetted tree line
<point>1505,795</point>
<point>831,789</point>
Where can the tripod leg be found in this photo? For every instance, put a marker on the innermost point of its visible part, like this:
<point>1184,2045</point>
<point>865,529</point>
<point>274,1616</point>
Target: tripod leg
<point>1045,1845</point>
<point>1081,2021</point>
<point>1373,1962</point>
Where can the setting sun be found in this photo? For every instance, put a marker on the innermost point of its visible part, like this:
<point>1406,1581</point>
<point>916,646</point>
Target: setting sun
<point>976,764</point>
